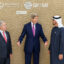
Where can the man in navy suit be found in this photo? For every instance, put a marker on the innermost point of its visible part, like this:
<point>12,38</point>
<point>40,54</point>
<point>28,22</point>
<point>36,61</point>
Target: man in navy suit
<point>5,44</point>
<point>33,31</point>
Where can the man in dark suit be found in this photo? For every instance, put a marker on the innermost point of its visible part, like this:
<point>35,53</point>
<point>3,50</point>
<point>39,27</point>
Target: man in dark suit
<point>5,44</point>
<point>33,32</point>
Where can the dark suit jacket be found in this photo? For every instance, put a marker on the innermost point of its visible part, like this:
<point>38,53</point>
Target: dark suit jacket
<point>5,49</point>
<point>32,42</point>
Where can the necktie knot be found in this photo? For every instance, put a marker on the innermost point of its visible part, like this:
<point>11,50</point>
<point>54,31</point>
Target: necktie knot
<point>3,32</point>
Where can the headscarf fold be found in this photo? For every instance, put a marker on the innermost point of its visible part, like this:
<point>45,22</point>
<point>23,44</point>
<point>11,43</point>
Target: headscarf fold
<point>58,19</point>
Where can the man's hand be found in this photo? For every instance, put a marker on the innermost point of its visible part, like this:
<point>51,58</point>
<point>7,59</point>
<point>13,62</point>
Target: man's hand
<point>60,56</point>
<point>48,51</point>
<point>18,43</point>
<point>46,43</point>
<point>10,55</point>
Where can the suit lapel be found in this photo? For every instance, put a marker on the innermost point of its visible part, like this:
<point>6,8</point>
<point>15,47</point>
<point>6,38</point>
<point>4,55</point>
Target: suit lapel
<point>3,37</point>
<point>36,30</point>
<point>7,36</point>
<point>30,28</point>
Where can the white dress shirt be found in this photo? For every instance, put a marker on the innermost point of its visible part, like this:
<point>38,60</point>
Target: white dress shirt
<point>34,25</point>
<point>2,33</point>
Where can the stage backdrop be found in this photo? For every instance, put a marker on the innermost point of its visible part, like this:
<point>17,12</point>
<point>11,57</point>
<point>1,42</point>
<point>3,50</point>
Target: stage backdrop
<point>16,13</point>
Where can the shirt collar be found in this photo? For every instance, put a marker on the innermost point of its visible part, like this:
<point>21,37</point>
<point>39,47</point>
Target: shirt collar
<point>32,23</point>
<point>1,31</point>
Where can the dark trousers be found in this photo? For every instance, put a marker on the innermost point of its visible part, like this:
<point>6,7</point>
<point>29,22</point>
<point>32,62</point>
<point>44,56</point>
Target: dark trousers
<point>5,60</point>
<point>35,58</point>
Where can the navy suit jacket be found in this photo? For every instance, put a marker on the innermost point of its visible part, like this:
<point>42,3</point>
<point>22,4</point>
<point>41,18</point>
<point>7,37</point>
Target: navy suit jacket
<point>32,42</point>
<point>5,48</point>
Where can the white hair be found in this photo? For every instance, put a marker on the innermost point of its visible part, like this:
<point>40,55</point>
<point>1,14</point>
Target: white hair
<point>1,21</point>
<point>33,15</point>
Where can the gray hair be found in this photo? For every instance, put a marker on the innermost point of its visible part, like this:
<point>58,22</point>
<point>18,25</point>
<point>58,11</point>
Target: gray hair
<point>1,21</point>
<point>33,15</point>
